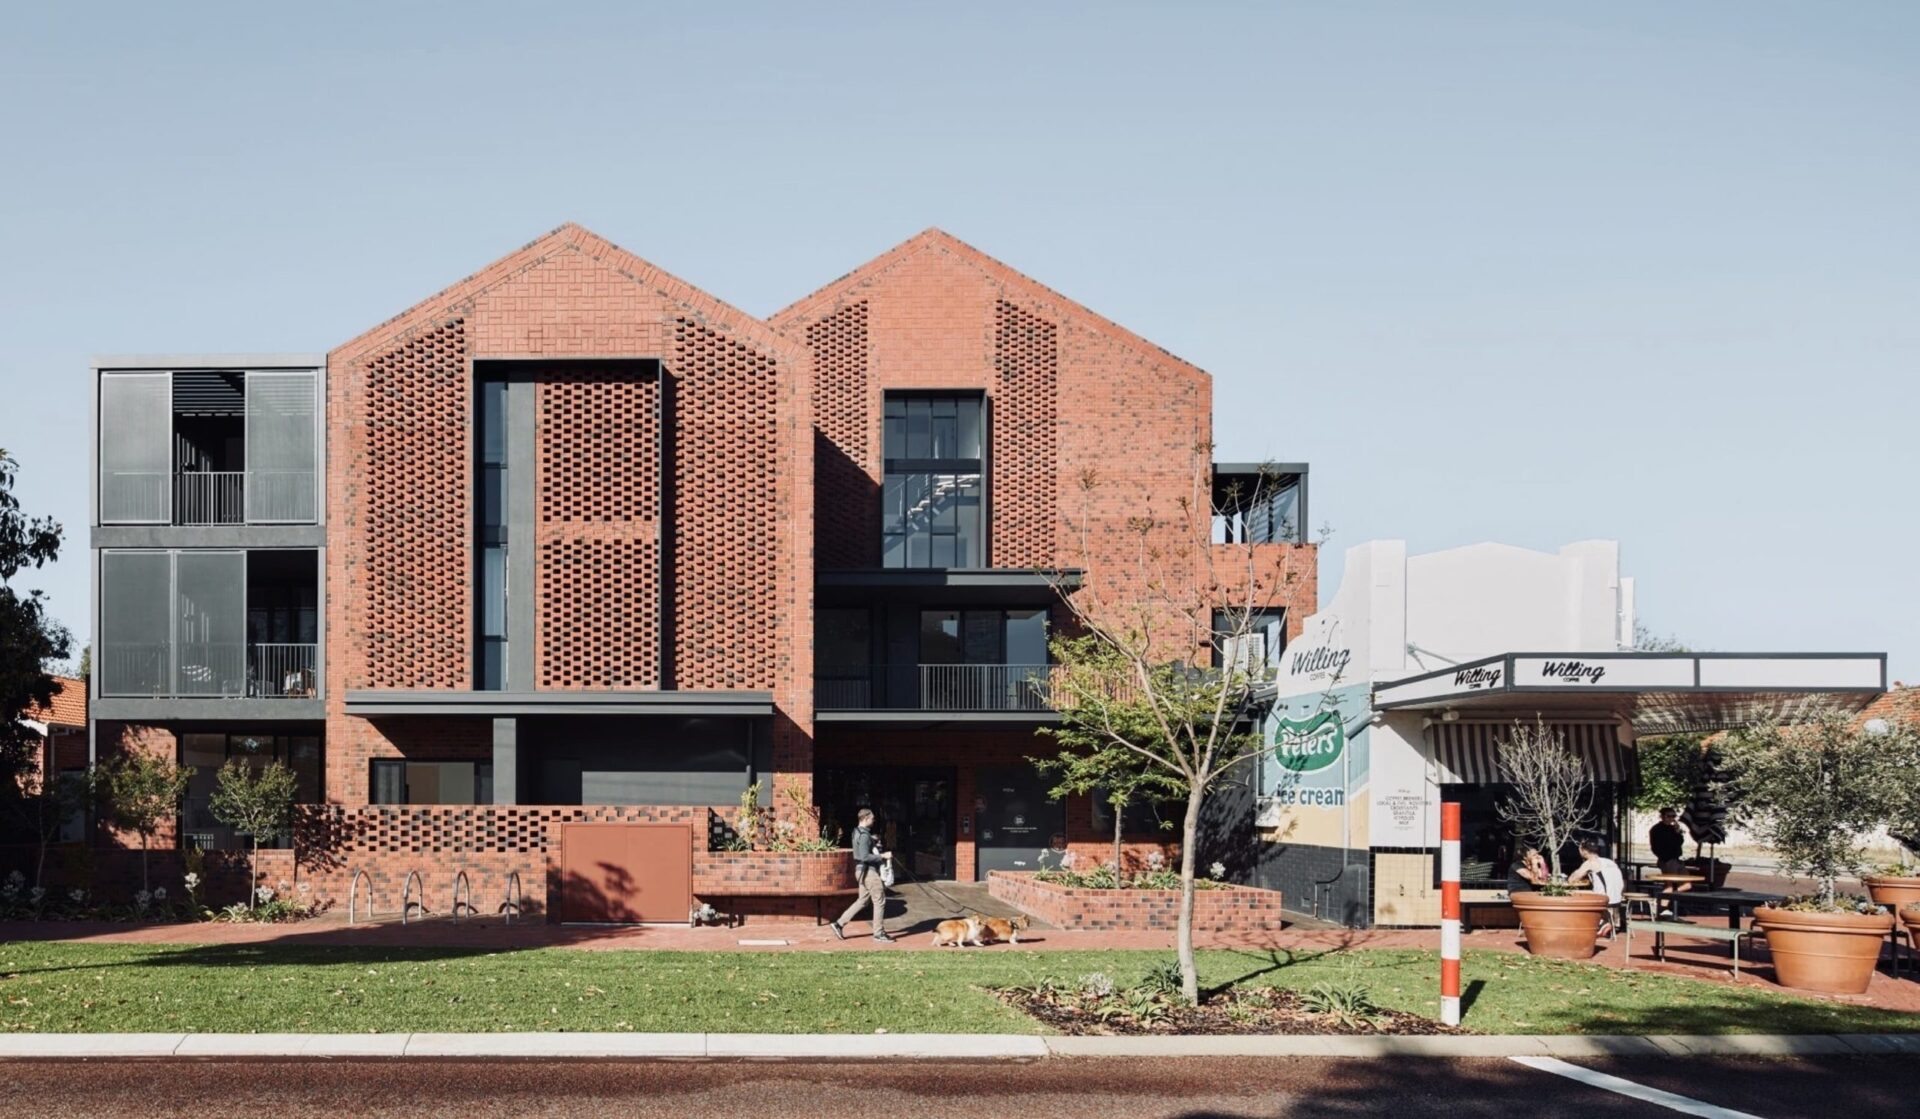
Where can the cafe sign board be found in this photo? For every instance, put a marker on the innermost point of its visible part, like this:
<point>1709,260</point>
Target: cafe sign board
<point>1602,673</point>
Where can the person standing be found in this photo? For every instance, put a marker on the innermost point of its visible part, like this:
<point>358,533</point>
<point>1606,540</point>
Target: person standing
<point>1669,846</point>
<point>867,860</point>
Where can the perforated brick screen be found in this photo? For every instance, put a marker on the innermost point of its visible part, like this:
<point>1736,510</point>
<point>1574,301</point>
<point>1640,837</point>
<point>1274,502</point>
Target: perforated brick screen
<point>599,608</point>
<point>849,529</point>
<point>412,499</point>
<point>1026,363</point>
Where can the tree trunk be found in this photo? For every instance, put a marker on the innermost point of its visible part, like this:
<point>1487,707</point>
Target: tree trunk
<point>1190,830</point>
<point>1119,811</point>
<point>143,860</point>
<point>253,872</point>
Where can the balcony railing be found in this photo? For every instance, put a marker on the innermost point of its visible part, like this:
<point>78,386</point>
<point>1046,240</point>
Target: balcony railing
<point>209,497</point>
<point>212,497</point>
<point>211,670</point>
<point>937,687</point>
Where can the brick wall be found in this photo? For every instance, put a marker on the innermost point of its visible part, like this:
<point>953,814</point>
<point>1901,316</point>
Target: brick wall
<point>730,607</point>
<point>489,843</point>
<point>115,740</point>
<point>1231,909</point>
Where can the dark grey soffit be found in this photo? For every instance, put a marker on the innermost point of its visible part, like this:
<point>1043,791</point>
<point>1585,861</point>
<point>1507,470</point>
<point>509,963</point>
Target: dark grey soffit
<point>176,710</point>
<point>905,719</point>
<point>1006,586</point>
<point>505,704</point>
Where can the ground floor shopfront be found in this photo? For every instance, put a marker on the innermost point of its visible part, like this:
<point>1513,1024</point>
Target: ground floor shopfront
<point>629,817</point>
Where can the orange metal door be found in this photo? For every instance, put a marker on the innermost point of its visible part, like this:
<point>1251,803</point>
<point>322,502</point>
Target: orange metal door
<point>624,873</point>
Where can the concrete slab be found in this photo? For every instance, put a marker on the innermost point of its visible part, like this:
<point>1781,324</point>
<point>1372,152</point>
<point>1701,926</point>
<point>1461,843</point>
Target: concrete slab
<point>1201,1046</point>
<point>601,1046</point>
<point>1574,1047</point>
<point>853,1047</point>
<point>26,1046</point>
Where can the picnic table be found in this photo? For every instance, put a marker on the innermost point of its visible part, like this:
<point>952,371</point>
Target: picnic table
<point>1736,901</point>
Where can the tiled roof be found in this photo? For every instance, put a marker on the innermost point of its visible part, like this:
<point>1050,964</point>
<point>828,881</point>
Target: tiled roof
<point>69,707</point>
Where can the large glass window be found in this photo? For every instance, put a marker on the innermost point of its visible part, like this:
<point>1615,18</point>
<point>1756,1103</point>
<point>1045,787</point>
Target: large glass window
<point>395,781</point>
<point>207,753</point>
<point>491,520</point>
<point>136,448</point>
<point>934,487</point>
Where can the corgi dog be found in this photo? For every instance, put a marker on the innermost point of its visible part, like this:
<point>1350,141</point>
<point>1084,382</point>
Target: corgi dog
<point>958,932</point>
<point>1005,928</point>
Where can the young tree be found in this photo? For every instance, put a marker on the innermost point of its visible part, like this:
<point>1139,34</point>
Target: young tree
<point>1552,794</point>
<point>255,802</point>
<point>1164,675</point>
<point>143,791</point>
<point>1093,761</point>
<point>30,640</point>
<point>43,808</point>
<point>1813,792</point>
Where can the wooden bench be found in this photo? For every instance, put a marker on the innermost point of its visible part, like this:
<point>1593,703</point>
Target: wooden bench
<point>1489,900</point>
<point>1663,929</point>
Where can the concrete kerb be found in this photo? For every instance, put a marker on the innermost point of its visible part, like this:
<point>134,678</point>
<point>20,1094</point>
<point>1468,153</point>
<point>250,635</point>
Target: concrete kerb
<point>917,1047</point>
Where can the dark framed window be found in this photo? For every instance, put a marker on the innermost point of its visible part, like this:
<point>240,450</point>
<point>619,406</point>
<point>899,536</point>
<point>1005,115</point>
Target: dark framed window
<point>398,781</point>
<point>1257,649</point>
<point>490,521</point>
<point>934,490</point>
<point>207,753</point>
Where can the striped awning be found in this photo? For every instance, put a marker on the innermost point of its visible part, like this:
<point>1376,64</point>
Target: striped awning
<point>1468,753</point>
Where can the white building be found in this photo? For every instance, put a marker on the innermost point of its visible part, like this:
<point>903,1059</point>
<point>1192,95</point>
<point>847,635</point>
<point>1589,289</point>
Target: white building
<point>1395,696</point>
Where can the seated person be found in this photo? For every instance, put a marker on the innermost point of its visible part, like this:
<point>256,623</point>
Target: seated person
<point>1601,875</point>
<point>1528,871</point>
<point>1669,846</point>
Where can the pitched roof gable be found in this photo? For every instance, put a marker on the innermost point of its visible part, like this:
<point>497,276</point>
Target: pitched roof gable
<point>824,300</point>
<point>69,707</point>
<point>568,238</point>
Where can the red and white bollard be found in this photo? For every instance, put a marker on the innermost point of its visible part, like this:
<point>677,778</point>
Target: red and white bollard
<point>1450,913</point>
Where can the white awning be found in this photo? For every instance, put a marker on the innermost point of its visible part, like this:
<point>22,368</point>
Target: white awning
<point>1658,693</point>
<point>1468,753</point>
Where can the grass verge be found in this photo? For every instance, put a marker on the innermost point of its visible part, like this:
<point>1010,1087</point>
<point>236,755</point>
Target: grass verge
<point>53,986</point>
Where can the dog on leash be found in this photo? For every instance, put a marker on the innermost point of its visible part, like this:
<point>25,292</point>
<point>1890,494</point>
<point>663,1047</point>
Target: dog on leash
<point>959,932</point>
<point>1005,928</point>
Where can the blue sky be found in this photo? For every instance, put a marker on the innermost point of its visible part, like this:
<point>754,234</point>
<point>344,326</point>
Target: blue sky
<point>1523,272</point>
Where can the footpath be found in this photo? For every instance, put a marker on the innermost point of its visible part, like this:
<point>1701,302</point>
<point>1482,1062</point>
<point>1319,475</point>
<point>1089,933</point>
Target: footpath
<point>913,1047</point>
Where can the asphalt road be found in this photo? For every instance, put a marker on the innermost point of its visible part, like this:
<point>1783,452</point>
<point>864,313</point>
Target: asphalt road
<point>1191,1088</point>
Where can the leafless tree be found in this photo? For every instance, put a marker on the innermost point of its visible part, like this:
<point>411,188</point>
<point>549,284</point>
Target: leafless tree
<point>1552,793</point>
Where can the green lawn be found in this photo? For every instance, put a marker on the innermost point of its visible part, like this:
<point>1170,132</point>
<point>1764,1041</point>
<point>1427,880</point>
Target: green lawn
<point>96,987</point>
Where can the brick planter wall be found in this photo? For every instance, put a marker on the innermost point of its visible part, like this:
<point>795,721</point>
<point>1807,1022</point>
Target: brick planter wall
<point>492,842</point>
<point>1233,909</point>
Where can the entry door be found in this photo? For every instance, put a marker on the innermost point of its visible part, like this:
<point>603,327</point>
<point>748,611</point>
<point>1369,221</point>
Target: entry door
<point>1015,821</point>
<point>625,873</point>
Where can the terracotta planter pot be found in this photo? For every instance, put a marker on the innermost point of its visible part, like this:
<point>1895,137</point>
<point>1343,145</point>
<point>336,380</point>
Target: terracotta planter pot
<point>1831,952</point>
<point>1893,892</point>
<point>1911,915</point>
<point>1563,928</point>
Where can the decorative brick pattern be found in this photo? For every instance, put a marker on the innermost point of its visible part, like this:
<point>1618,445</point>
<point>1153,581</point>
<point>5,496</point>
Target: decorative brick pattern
<point>599,434</point>
<point>1026,456</point>
<point>598,617</point>
<point>727,526</point>
<point>414,531</point>
<point>599,614</point>
<point>849,521</point>
<point>1232,909</point>
<point>491,843</point>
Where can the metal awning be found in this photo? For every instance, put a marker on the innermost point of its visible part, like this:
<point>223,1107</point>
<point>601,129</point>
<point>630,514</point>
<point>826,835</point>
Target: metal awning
<point>1468,753</point>
<point>1658,693</point>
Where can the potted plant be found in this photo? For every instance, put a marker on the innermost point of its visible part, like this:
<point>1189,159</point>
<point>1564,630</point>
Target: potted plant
<point>1812,793</point>
<point>1551,799</point>
<point>1897,885</point>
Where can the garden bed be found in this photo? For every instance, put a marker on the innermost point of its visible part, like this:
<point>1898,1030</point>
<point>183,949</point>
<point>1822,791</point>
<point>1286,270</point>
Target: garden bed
<point>1221,908</point>
<point>1248,1010</point>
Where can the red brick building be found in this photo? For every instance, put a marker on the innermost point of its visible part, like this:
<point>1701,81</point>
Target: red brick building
<point>535,578</point>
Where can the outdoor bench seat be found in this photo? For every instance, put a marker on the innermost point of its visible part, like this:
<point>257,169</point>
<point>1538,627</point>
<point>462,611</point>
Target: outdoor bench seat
<point>1663,929</point>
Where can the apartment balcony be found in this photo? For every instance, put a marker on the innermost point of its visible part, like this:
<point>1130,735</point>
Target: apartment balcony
<point>936,694</point>
<point>210,670</point>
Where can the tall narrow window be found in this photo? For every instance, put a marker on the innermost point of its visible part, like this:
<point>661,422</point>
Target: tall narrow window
<point>491,521</point>
<point>934,487</point>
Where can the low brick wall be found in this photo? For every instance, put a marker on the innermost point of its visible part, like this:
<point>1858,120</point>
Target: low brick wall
<point>770,874</point>
<point>1232,909</point>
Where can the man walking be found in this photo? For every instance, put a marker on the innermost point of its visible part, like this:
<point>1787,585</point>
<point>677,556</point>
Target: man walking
<point>867,860</point>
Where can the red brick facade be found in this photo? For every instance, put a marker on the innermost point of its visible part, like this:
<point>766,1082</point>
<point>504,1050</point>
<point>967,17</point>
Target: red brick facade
<point>695,467</point>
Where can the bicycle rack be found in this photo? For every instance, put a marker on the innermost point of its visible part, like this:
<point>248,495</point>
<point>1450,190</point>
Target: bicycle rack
<point>353,894</point>
<point>511,906</point>
<point>407,903</point>
<point>461,887</point>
